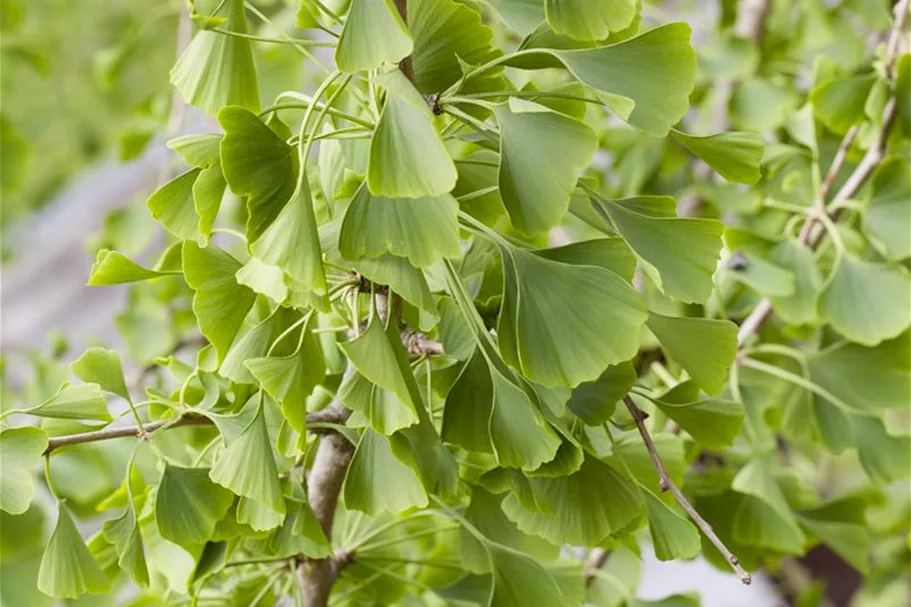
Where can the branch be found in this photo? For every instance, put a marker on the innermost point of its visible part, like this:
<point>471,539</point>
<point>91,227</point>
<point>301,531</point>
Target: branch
<point>135,431</point>
<point>812,231</point>
<point>667,484</point>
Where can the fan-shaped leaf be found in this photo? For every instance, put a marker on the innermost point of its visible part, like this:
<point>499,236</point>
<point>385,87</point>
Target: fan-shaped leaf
<point>888,213</point>
<point>590,19</point>
<point>123,533</point>
<point>378,481</point>
<point>735,156</point>
<point>714,423</point>
<point>594,402</point>
<point>75,402</point>
<point>103,367</point>
<point>172,206</point>
<point>374,33</point>
<point>188,505</point>
<point>113,268</point>
<point>536,180</point>
<point>673,537</point>
<point>216,70</point>
<point>68,570</point>
<point>20,454</point>
<point>704,347</point>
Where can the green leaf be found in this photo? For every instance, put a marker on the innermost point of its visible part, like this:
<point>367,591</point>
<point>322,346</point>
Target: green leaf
<point>20,454</point>
<point>373,356</point>
<point>536,181</point>
<point>608,253</point>
<point>220,303</point>
<point>68,570</point>
<point>446,32</point>
<point>673,537</point>
<point>704,347</point>
<point>839,103</point>
<point>407,156</point>
<point>113,268</point>
<point>736,156</point>
<point>123,533</point>
<point>258,165</point>
<point>172,206</point>
<point>582,508</point>
<point>466,416</point>
<point>679,254</point>
<point>651,98</point>
<point>519,580</point>
<point>199,150</point>
<point>291,242</point>
<point>561,324</point>
<point>869,380</point>
<point>216,70</point>
<point>594,402</point>
<point>378,481</point>
<point>888,213</point>
<point>714,423</point>
<point>291,379</point>
<point>373,34</point>
<point>75,402</point>
<point>590,19</point>
<point>421,229</point>
<point>247,466</point>
<point>884,456</point>
<point>257,515</point>
<point>401,277</point>
<point>188,505</point>
<point>103,367</point>
<point>208,191</point>
<point>254,343</point>
<point>301,534</point>
<point>764,518</point>
<point>801,306</point>
<point>850,541</point>
<point>867,302</point>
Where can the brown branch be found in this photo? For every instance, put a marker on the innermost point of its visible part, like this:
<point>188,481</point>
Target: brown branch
<point>812,231</point>
<point>123,431</point>
<point>667,484</point>
<point>596,560</point>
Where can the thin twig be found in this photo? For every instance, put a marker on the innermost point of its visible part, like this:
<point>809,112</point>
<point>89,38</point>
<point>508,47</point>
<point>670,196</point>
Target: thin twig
<point>667,484</point>
<point>596,560</point>
<point>111,433</point>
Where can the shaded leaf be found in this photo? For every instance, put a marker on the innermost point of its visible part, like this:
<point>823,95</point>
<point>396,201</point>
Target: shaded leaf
<point>594,402</point>
<point>68,570</point>
<point>704,347</point>
<point>378,481</point>
<point>736,156</point>
<point>20,454</point>
<point>888,213</point>
<point>188,505</point>
<point>673,537</point>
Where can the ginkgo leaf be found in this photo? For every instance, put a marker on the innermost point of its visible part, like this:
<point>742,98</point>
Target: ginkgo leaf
<point>258,516</point>
<point>704,347</point>
<point>378,481</point>
<point>839,103</point>
<point>20,454</point>
<point>401,277</point>
<point>291,242</point>
<point>850,541</point>
<point>247,466</point>
<point>652,99</point>
<point>536,181</point>
<point>563,324</point>
<point>519,580</point>
<point>68,570</point>
<point>75,402</point>
<point>678,253</point>
<point>263,278</point>
<point>714,423</point>
<point>216,70</point>
<point>888,213</point>
<point>867,302</point>
<point>466,416</point>
<point>301,534</point>
<point>764,517</point>
<point>220,303</point>
<point>869,380</point>
<point>584,507</point>
<point>199,150</point>
<point>123,533</point>
<point>736,156</point>
<point>519,433</point>
<point>407,156</point>
<point>384,410</point>
<point>188,505</point>
<point>594,402</point>
<point>589,19</point>
<point>374,358</point>
<point>673,537</point>
<point>374,33</point>
<point>608,253</point>
<point>291,379</point>
<point>446,32</point>
<point>883,456</point>
<point>113,268</point>
<point>421,229</point>
<point>800,307</point>
<point>252,344</point>
<point>208,191</point>
<point>521,15</point>
<point>103,367</point>
<point>257,164</point>
<point>172,206</point>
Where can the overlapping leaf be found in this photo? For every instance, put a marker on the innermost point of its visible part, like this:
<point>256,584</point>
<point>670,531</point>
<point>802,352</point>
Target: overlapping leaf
<point>20,454</point>
<point>589,19</point>
<point>68,570</point>
<point>704,347</point>
<point>374,34</point>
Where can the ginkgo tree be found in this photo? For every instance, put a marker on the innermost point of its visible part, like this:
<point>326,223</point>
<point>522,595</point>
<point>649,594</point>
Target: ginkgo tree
<point>499,306</point>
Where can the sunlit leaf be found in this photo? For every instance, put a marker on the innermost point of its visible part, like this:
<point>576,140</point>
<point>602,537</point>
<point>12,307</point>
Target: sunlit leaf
<point>75,402</point>
<point>374,34</point>
<point>216,70</point>
<point>20,454</point>
<point>519,580</point>
<point>888,212</point>
<point>735,156</point>
<point>188,505</point>
<point>704,347</point>
<point>68,570</point>
<point>123,533</point>
<point>112,268</point>
<point>220,303</point>
<point>172,205</point>
<point>103,367</point>
<point>407,156</point>
<point>589,19</point>
<point>378,481</point>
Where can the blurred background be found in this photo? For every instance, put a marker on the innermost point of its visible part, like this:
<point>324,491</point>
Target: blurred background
<point>85,110</point>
